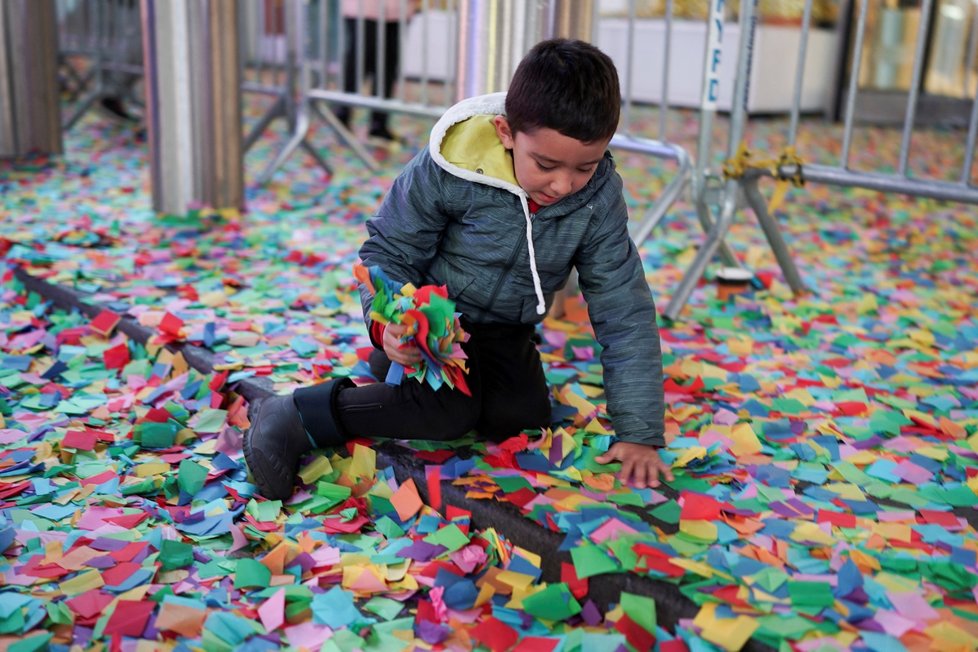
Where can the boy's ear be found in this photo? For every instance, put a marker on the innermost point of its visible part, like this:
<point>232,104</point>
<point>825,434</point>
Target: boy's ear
<point>503,131</point>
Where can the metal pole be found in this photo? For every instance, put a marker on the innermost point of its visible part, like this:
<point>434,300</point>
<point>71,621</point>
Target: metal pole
<point>850,111</point>
<point>728,208</point>
<point>918,68</point>
<point>30,118</point>
<point>193,107</point>
<point>800,73</point>
<point>490,43</point>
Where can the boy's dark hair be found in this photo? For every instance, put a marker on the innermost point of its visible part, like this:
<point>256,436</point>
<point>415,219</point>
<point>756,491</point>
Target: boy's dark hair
<point>566,85</point>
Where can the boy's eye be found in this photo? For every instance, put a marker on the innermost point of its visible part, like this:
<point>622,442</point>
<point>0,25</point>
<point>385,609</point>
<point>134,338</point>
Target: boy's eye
<point>545,167</point>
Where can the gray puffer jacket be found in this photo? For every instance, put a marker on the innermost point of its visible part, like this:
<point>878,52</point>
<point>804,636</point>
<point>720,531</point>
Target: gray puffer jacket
<point>457,217</point>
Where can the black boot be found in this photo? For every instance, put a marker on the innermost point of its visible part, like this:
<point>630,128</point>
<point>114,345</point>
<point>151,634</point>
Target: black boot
<point>273,446</point>
<point>277,438</point>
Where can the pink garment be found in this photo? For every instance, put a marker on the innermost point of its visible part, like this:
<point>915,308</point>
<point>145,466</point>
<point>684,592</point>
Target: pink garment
<point>371,9</point>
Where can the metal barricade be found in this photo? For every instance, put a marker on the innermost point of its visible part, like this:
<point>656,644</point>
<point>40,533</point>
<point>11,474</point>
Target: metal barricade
<point>271,53</point>
<point>742,177</point>
<point>100,52</point>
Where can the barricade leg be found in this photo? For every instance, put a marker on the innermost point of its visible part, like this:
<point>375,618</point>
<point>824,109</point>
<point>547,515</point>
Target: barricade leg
<point>296,111</point>
<point>657,211</point>
<point>709,248</point>
<point>773,233</point>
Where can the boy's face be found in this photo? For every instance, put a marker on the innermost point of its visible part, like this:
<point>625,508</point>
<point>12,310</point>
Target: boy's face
<point>549,165</point>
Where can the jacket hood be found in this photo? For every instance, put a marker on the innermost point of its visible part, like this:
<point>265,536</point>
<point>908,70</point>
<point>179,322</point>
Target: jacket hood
<point>464,143</point>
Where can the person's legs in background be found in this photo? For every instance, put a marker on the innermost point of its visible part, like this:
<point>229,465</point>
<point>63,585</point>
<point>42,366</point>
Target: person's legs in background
<point>127,47</point>
<point>392,56</point>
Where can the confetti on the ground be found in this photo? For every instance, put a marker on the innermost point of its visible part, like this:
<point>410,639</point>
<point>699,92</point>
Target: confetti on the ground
<point>825,446</point>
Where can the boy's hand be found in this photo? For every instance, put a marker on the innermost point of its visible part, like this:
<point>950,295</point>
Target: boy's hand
<point>405,353</point>
<point>640,464</point>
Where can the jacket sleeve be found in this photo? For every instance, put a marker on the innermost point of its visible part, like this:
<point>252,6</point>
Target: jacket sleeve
<point>623,315</point>
<point>404,236</point>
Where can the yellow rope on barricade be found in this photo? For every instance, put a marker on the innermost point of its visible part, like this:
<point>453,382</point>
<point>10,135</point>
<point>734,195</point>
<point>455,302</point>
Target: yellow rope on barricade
<point>736,167</point>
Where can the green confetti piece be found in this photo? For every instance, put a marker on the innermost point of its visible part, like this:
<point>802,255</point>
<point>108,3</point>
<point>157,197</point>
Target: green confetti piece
<point>250,573</point>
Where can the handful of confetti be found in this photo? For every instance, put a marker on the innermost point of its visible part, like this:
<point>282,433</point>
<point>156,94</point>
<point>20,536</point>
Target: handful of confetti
<point>432,325</point>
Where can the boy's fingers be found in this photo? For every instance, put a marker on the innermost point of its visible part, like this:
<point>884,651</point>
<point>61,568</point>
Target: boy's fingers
<point>627,468</point>
<point>665,470</point>
<point>639,473</point>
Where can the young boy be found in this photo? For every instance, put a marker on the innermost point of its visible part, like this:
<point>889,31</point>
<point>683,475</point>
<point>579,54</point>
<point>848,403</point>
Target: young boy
<point>513,191</point>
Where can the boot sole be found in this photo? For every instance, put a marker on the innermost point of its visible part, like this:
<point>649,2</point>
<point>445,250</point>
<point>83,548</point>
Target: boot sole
<point>254,468</point>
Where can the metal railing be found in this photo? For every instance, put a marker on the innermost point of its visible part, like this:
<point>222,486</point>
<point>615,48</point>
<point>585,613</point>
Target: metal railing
<point>100,52</point>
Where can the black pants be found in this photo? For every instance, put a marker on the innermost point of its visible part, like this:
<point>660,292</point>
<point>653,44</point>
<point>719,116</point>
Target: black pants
<point>509,394</point>
<point>371,68</point>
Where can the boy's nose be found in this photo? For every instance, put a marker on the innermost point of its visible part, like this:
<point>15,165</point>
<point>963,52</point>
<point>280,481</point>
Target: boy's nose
<point>561,185</point>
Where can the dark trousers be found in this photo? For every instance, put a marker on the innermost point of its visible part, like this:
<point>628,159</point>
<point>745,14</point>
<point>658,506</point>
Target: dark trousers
<point>371,68</point>
<point>509,394</point>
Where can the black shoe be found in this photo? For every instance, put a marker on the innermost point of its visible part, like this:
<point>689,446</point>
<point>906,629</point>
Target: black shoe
<point>115,109</point>
<point>273,446</point>
<point>382,133</point>
<point>342,114</point>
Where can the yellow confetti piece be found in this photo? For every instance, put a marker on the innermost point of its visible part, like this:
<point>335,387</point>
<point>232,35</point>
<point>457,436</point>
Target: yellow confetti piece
<point>151,468</point>
<point>727,633</point>
<point>808,531</point>
<point>862,458</point>
<point>43,451</point>
<point>700,568</point>
<point>704,531</point>
<point>893,531</point>
<point>364,464</point>
<point>514,579</point>
<point>933,452</point>
<point>846,490</point>
<point>947,635</point>
<point>922,416</point>
<point>923,337</point>
<point>82,582</point>
<point>486,592</point>
<point>688,455</point>
<point>973,484</point>
<point>213,299</point>
<point>867,303</point>
<point>229,366</point>
<point>744,440</point>
<point>594,427</point>
<point>801,395</point>
<point>584,407</point>
<point>208,447</point>
<point>316,469</point>
<point>397,572</point>
<point>742,346</point>
<point>683,413</point>
<point>532,557</point>
<point>898,583</point>
<point>591,391</point>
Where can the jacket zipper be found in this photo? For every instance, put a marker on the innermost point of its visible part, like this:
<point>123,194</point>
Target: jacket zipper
<point>506,270</point>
